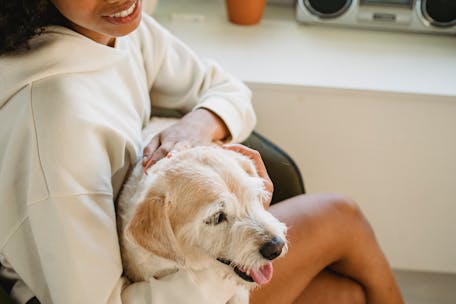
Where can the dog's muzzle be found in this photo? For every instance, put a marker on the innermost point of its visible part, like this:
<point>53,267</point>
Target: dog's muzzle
<point>269,250</point>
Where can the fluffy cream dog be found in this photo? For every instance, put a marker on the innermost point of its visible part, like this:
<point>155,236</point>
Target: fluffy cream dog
<point>199,209</point>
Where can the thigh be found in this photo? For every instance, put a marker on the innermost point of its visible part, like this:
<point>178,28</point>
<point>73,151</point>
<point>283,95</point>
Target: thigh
<point>314,243</point>
<point>329,288</point>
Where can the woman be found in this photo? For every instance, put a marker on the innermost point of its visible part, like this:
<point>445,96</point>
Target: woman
<point>73,101</point>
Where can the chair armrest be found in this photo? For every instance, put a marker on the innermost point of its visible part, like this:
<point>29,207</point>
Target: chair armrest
<point>4,298</point>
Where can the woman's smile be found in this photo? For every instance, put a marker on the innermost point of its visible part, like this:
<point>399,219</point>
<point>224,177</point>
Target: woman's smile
<point>101,20</point>
<point>125,15</point>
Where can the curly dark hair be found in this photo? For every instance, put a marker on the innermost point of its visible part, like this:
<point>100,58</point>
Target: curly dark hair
<point>20,20</point>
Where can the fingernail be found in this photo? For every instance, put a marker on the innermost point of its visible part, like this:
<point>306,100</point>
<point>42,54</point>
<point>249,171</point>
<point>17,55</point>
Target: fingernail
<point>147,165</point>
<point>150,163</point>
<point>171,153</point>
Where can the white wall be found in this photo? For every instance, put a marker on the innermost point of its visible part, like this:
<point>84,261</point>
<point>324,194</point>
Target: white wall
<point>394,153</point>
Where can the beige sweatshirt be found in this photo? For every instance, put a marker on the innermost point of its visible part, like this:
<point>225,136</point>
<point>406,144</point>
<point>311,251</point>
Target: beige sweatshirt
<point>71,115</point>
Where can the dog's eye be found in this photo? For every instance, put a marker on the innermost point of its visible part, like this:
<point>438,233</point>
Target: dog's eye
<point>216,219</point>
<point>219,218</point>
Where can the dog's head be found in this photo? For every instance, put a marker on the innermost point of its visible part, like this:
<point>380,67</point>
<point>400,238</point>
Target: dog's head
<point>205,208</point>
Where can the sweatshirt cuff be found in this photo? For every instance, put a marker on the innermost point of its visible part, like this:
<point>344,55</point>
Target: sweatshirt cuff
<point>228,114</point>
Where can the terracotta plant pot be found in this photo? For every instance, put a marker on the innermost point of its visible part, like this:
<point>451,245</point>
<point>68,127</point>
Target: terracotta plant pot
<point>245,12</point>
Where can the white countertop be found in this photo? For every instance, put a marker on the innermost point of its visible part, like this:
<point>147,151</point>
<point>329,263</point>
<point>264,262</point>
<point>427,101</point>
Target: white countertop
<point>281,51</point>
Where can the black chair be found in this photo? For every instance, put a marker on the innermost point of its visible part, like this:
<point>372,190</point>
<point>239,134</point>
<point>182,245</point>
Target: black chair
<point>282,170</point>
<point>5,286</point>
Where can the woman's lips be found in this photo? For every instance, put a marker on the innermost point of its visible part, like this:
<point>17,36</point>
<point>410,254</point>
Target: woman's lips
<point>126,15</point>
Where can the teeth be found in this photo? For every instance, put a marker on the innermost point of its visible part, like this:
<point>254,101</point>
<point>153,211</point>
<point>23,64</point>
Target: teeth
<point>124,13</point>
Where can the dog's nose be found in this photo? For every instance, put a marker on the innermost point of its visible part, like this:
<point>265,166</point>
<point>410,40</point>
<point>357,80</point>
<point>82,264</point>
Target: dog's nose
<point>272,248</point>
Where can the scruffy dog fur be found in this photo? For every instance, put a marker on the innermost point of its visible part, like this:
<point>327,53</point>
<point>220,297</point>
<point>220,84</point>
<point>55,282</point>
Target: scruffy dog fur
<point>200,208</point>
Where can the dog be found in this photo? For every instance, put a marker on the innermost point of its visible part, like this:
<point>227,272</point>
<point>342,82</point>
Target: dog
<point>199,209</point>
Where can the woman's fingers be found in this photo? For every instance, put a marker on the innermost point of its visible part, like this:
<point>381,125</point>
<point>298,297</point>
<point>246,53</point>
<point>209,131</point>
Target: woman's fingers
<point>149,150</point>
<point>159,148</point>
<point>158,154</point>
<point>255,156</point>
<point>199,127</point>
<point>156,150</point>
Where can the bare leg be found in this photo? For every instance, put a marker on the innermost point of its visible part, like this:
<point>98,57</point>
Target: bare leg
<point>327,231</point>
<point>329,287</point>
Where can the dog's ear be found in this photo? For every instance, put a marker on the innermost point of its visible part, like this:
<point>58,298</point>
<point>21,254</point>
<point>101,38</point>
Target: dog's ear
<point>150,227</point>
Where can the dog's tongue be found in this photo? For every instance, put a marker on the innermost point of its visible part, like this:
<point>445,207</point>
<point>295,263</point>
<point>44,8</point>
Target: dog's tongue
<point>263,275</point>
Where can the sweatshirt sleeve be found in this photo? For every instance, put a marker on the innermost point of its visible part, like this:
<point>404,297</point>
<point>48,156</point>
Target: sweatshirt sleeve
<point>178,79</point>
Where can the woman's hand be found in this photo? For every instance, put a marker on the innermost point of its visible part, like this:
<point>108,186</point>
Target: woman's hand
<point>255,156</point>
<point>200,127</point>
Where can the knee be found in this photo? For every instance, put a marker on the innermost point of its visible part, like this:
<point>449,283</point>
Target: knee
<point>338,211</point>
<point>345,206</point>
<point>341,207</point>
<point>345,216</point>
<point>336,201</point>
<point>331,205</point>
